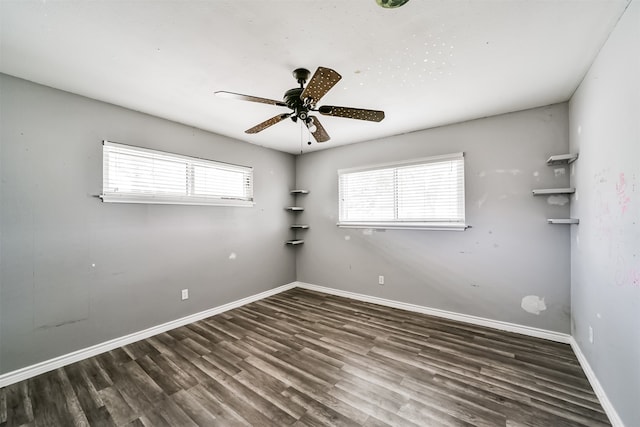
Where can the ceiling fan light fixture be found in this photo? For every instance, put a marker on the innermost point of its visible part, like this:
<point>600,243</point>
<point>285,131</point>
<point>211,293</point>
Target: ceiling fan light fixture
<point>310,125</point>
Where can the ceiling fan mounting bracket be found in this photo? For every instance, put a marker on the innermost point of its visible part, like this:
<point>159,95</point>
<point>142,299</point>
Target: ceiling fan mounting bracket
<point>301,75</point>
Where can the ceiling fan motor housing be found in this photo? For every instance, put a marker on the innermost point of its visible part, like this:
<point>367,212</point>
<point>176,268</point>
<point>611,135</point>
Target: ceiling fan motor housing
<point>293,101</point>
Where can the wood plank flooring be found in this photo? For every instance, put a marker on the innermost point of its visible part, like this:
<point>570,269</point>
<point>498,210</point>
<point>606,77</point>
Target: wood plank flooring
<point>302,358</point>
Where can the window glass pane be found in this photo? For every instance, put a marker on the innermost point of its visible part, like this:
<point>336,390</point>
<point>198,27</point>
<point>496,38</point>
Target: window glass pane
<point>135,174</point>
<point>428,192</point>
<point>368,195</point>
<point>218,182</point>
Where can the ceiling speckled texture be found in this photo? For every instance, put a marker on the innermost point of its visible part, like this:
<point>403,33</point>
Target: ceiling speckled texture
<point>425,64</point>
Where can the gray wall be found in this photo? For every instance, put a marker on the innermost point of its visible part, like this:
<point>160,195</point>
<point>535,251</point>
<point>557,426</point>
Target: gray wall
<point>605,247</point>
<point>510,252</point>
<point>53,300</point>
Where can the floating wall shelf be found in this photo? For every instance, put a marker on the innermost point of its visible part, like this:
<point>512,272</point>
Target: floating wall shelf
<point>299,191</point>
<point>562,159</point>
<point>294,208</point>
<point>563,221</point>
<point>294,242</point>
<point>543,191</point>
<point>300,226</point>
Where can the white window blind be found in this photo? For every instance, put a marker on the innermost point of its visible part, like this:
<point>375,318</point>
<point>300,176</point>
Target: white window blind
<point>138,175</point>
<point>421,193</point>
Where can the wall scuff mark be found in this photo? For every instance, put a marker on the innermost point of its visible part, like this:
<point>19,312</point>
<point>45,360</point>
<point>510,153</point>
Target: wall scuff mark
<point>558,200</point>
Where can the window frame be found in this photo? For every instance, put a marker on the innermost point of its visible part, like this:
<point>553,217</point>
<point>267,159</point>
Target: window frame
<point>189,198</point>
<point>405,224</point>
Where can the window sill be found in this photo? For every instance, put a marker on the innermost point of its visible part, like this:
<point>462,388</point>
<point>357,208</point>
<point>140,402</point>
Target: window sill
<point>176,201</point>
<point>443,226</point>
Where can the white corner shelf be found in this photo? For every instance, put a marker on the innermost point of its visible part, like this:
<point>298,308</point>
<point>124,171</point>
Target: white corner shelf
<point>296,227</point>
<point>562,159</point>
<point>294,242</point>
<point>559,159</point>
<point>563,221</point>
<point>543,191</point>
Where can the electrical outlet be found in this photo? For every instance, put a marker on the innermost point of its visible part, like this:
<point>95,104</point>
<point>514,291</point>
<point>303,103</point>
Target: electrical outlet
<point>380,280</point>
<point>185,294</point>
<point>590,334</point>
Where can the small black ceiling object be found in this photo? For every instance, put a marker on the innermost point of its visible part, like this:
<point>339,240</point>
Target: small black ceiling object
<point>302,101</point>
<point>391,4</point>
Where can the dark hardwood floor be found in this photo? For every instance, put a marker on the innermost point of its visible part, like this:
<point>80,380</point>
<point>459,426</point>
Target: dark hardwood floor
<point>308,359</point>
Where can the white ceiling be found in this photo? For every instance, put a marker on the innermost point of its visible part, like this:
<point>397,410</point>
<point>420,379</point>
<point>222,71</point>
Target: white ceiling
<point>425,64</point>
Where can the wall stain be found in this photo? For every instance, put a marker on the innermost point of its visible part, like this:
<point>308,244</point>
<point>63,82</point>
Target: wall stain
<point>559,172</point>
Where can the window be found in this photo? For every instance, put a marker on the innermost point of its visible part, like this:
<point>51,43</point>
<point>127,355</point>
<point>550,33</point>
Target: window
<point>422,193</point>
<point>137,175</point>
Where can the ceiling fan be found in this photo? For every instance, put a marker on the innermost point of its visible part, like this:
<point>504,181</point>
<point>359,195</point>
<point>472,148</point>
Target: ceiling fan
<point>302,102</point>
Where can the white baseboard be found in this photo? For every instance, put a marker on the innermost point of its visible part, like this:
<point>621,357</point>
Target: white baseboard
<point>67,359</point>
<point>611,412</point>
<point>475,320</point>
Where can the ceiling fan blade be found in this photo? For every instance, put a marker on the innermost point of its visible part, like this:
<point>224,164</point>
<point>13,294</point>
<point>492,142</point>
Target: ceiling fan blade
<point>272,121</point>
<point>319,134</point>
<point>352,113</point>
<point>242,97</point>
<point>321,82</point>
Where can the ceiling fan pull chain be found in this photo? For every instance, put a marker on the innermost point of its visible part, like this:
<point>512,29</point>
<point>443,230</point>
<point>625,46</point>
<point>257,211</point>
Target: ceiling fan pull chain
<point>301,138</point>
